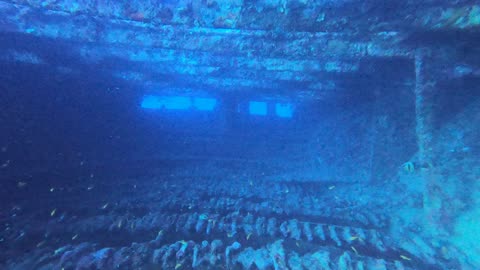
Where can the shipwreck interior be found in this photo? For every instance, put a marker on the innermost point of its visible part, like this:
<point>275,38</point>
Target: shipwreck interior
<point>215,134</point>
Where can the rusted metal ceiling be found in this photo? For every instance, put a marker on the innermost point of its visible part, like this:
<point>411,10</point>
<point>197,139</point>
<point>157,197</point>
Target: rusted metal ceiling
<point>298,46</point>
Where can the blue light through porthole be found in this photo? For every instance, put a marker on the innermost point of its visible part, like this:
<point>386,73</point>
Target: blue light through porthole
<point>258,108</point>
<point>284,110</point>
<point>151,102</point>
<point>178,103</point>
<point>204,104</point>
<point>170,103</point>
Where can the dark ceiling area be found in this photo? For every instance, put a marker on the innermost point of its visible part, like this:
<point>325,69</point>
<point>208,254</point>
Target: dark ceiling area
<point>298,49</point>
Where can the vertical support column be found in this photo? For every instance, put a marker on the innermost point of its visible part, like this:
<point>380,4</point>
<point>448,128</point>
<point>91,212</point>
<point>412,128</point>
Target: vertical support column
<point>374,134</point>
<point>424,93</point>
<point>423,107</point>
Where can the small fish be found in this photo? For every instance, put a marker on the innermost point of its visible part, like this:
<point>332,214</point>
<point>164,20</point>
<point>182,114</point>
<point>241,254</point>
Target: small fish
<point>178,265</point>
<point>408,167</point>
<point>119,225</point>
<point>105,206</point>
<point>60,250</point>
<point>353,238</point>
<point>249,235</point>
<point>90,187</point>
<point>297,243</point>
<point>21,184</point>
<point>354,250</point>
<point>53,212</point>
<point>331,187</point>
<point>4,165</point>
<point>405,258</point>
<point>160,233</point>
<point>22,234</point>
<point>203,217</point>
<point>287,190</point>
<point>75,237</point>
<point>230,235</point>
<point>52,189</point>
<point>41,244</point>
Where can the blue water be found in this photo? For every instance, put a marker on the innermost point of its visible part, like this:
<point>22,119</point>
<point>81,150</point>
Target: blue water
<point>239,134</point>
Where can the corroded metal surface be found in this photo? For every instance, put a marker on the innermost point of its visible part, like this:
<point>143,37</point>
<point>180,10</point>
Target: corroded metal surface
<point>303,49</point>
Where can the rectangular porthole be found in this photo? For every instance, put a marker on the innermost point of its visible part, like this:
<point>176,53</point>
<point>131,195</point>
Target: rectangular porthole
<point>178,103</point>
<point>166,102</point>
<point>151,102</point>
<point>204,104</point>
<point>258,108</point>
<point>284,110</point>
